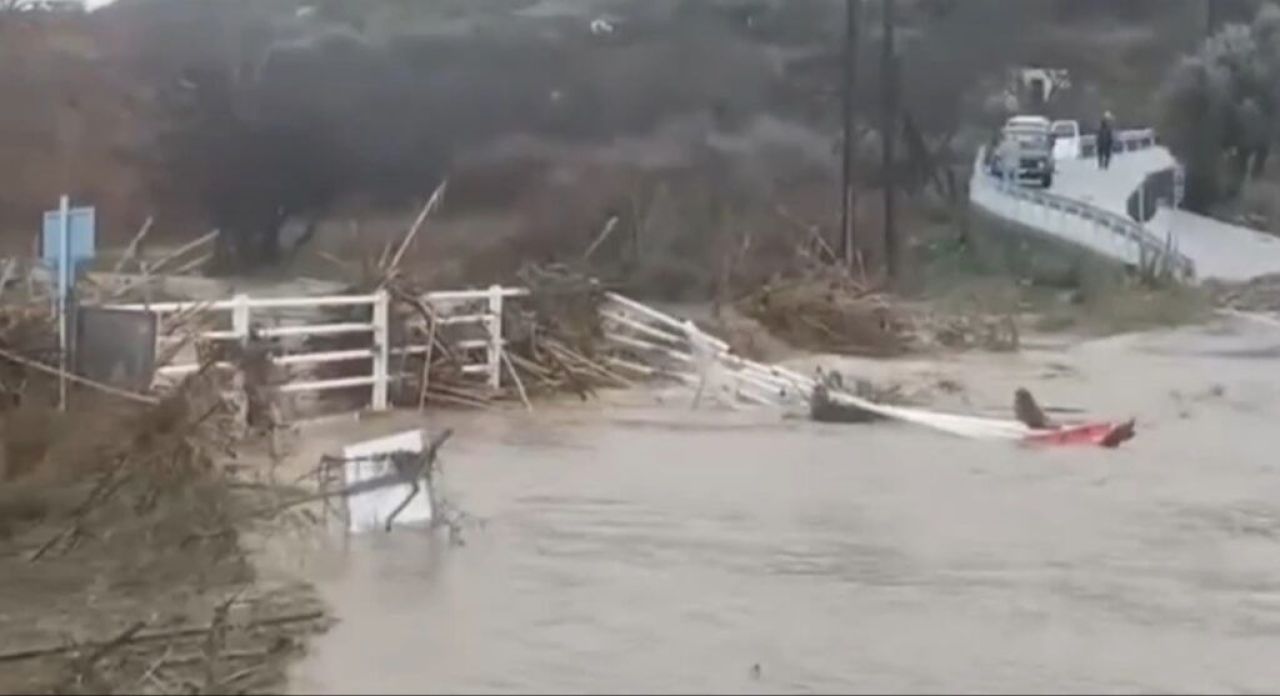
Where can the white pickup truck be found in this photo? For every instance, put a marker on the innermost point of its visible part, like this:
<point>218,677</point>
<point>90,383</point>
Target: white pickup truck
<point>1025,151</point>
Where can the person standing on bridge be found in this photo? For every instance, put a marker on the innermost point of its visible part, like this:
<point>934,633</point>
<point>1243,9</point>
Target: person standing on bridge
<point>1106,141</point>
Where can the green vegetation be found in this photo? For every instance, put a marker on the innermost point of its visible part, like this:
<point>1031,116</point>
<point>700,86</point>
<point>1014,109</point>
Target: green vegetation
<point>1222,108</point>
<point>1053,288</point>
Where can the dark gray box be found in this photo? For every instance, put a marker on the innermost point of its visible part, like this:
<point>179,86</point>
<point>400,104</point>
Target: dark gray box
<point>116,347</point>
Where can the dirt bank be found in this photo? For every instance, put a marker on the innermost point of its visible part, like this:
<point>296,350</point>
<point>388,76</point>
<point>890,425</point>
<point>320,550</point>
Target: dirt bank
<point>124,566</point>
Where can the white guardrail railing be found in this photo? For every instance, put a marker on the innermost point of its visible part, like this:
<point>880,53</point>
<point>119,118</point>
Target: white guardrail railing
<point>1110,234</point>
<point>242,310</point>
<point>1124,141</point>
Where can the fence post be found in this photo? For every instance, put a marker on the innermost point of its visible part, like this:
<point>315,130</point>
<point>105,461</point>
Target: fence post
<point>495,336</point>
<point>240,317</point>
<point>381,350</point>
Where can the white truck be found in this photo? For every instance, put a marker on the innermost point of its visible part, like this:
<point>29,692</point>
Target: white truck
<point>1025,151</point>
<point>1066,140</point>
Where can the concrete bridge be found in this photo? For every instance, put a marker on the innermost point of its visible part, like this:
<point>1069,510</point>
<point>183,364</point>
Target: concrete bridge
<point>1100,210</point>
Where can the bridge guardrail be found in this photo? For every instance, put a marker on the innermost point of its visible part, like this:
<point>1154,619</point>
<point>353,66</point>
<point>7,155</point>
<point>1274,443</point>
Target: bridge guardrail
<point>1124,141</point>
<point>1110,234</point>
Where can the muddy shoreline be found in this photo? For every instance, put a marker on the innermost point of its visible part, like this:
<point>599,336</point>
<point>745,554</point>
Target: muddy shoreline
<point>128,560</point>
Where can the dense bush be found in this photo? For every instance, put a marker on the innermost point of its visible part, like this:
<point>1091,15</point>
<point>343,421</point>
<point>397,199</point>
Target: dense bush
<point>1221,107</point>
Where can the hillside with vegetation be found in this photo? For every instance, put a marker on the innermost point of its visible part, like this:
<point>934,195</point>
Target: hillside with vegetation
<point>705,128</point>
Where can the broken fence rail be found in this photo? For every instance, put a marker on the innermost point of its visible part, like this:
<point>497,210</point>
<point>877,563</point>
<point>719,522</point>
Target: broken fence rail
<point>687,353</point>
<point>756,382</point>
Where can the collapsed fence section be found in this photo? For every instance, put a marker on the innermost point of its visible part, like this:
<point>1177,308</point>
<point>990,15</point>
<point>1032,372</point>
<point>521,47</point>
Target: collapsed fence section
<point>657,345</point>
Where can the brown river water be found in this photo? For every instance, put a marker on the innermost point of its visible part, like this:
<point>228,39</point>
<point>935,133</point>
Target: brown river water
<point>639,546</point>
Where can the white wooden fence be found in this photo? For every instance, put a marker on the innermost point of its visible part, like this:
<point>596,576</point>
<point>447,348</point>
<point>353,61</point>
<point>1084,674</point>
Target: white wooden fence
<point>660,345</point>
<point>243,310</point>
<point>447,304</point>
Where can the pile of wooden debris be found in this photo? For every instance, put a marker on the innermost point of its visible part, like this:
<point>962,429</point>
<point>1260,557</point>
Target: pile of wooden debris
<point>1261,294</point>
<point>828,311</point>
<point>552,343</point>
<point>550,338</point>
<point>121,564</point>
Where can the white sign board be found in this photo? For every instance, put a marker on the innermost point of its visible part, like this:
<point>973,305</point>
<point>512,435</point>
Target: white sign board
<point>369,511</point>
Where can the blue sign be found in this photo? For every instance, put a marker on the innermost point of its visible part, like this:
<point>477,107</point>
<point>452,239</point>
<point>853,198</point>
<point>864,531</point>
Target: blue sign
<point>81,228</point>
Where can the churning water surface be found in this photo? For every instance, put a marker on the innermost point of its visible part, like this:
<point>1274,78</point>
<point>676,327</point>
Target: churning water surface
<point>641,549</point>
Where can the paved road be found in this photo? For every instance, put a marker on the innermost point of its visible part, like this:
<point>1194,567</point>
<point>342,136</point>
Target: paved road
<point>1222,251</point>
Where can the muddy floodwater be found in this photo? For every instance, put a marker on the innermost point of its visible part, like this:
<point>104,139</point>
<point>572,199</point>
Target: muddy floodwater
<point>643,547</point>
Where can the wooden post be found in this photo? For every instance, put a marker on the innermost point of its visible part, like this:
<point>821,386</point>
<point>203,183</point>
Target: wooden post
<point>426,358</point>
<point>240,318</point>
<point>888,134</point>
<point>64,302</point>
<point>381,350</point>
<point>494,324</point>
<point>848,201</point>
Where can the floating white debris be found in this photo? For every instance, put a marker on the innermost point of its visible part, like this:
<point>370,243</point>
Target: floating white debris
<point>369,511</point>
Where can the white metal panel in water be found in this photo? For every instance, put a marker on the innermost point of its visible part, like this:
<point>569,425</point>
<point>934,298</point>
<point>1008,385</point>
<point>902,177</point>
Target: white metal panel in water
<point>369,511</point>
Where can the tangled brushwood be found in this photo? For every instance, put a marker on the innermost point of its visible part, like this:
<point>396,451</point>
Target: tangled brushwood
<point>557,342</point>
<point>1260,294</point>
<point>552,342</point>
<point>826,310</point>
<point>121,560</point>
<point>831,312</point>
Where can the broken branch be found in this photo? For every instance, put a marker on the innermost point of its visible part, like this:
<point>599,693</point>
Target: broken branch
<point>524,396</point>
<point>84,381</point>
<point>431,205</point>
<point>600,238</point>
<point>132,249</point>
<point>194,244</point>
<point>150,636</point>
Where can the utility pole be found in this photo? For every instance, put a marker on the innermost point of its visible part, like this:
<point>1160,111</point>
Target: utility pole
<point>888,134</point>
<point>848,199</point>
